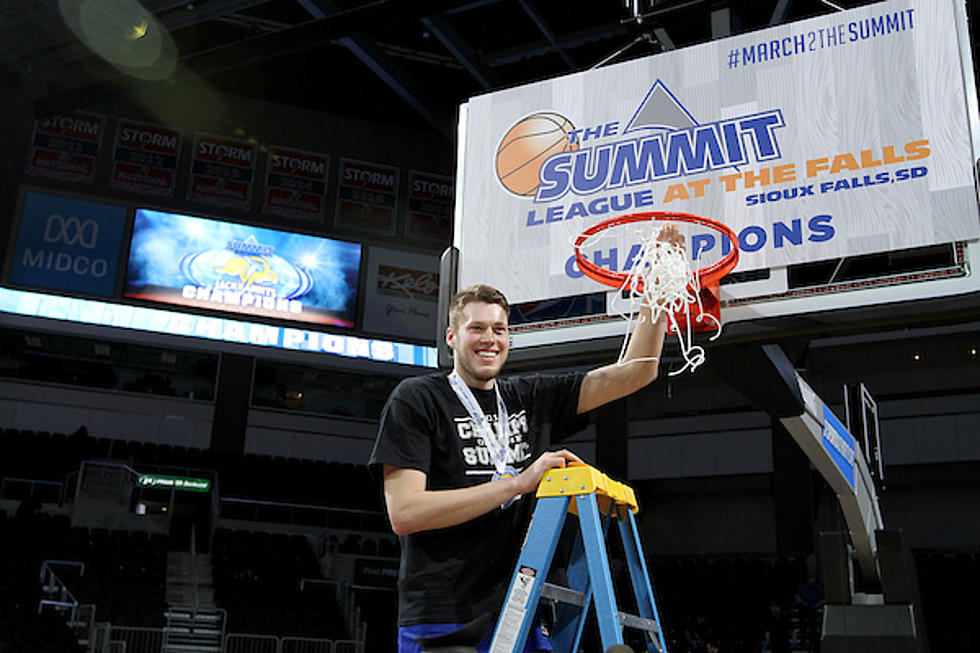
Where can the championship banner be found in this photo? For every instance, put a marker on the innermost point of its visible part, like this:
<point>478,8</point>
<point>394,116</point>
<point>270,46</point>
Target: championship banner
<point>145,158</point>
<point>295,183</point>
<point>66,148</point>
<point>841,135</point>
<point>222,171</point>
<point>367,197</point>
<point>430,206</point>
<point>401,293</point>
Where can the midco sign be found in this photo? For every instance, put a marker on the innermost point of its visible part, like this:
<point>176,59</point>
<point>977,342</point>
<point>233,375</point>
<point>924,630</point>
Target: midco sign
<point>68,244</point>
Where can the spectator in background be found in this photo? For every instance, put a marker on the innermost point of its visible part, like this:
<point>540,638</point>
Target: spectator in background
<point>809,600</point>
<point>777,631</point>
<point>809,595</point>
<point>697,634</point>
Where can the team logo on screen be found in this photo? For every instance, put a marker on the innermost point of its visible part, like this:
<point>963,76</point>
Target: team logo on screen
<point>544,156</point>
<point>246,273</point>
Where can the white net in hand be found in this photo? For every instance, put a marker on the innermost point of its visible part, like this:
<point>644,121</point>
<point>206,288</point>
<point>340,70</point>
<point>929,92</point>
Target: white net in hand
<point>668,287</point>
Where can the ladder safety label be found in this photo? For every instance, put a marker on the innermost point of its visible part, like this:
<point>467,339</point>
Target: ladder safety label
<point>512,616</point>
<point>521,591</point>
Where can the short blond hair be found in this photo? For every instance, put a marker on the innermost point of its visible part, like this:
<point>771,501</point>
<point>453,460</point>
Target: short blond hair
<point>478,293</point>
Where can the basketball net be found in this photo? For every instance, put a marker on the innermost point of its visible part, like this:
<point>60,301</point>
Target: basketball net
<point>661,280</point>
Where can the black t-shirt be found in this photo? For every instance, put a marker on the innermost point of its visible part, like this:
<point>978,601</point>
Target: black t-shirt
<point>455,574</point>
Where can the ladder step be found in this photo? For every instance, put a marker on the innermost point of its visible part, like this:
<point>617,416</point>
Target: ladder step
<point>562,594</point>
<point>639,623</point>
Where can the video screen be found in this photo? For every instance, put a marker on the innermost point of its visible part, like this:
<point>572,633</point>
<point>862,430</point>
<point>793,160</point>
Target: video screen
<point>188,261</point>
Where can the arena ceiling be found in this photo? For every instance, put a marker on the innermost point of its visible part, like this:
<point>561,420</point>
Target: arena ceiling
<point>405,62</point>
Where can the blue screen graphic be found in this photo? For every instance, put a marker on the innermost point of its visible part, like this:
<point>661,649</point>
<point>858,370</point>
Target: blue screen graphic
<point>224,266</point>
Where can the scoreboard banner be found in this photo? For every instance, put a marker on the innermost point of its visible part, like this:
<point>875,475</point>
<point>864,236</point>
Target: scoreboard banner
<point>66,147</point>
<point>295,183</point>
<point>222,172</point>
<point>145,158</point>
<point>841,135</point>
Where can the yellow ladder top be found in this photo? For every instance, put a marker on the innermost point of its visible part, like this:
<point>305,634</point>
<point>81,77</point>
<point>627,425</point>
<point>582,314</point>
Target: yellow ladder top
<point>578,478</point>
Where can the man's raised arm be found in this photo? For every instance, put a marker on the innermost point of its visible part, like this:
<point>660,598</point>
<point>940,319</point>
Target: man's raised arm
<point>617,380</point>
<point>641,360</point>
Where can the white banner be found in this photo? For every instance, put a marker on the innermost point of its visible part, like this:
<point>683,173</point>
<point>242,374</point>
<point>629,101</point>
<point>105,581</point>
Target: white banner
<point>401,293</point>
<point>841,135</point>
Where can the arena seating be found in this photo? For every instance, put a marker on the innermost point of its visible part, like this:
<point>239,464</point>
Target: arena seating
<point>258,578</point>
<point>257,573</point>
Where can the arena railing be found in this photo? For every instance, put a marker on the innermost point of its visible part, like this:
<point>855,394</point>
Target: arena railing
<point>251,643</point>
<point>302,514</point>
<point>55,594</point>
<point>106,480</point>
<point>69,489</point>
<point>105,637</point>
<point>135,639</point>
<point>108,638</point>
<point>248,643</point>
<point>84,624</point>
<point>306,645</point>
<point>18,489</point>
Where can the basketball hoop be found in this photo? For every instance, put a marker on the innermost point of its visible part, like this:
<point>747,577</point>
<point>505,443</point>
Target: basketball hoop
<point>663,281</point>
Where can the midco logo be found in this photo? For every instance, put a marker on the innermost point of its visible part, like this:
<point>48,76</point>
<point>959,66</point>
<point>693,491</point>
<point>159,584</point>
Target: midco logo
<point>70,232</point>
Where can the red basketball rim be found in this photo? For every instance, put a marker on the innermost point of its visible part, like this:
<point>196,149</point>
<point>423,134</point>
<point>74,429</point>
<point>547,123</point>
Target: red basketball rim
<point>708,276</point>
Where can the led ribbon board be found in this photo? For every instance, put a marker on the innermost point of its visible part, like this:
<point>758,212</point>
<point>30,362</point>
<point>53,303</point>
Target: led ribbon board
<point>84,311</point>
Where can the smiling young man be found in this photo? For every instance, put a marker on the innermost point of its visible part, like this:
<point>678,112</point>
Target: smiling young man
<point>459,492</point>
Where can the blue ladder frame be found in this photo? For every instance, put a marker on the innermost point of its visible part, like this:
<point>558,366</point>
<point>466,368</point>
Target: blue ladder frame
<point>597,500</point>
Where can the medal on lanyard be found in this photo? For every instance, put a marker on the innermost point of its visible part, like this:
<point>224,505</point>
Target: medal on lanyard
<point>496,442</point>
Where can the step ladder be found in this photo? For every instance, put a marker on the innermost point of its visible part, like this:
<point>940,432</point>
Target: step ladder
<point>597,501</point>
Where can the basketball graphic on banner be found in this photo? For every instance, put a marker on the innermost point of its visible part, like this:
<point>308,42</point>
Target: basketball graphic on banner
<point>527,145</point>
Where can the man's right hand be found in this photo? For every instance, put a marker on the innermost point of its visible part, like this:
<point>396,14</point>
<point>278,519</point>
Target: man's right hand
<point>527,481</point>
<point>413,508</point>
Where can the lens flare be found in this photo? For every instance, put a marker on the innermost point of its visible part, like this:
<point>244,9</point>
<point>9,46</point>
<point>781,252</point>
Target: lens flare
<point>124,34</point>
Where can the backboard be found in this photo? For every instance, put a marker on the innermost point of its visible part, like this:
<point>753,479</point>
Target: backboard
<point>841,149</point>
